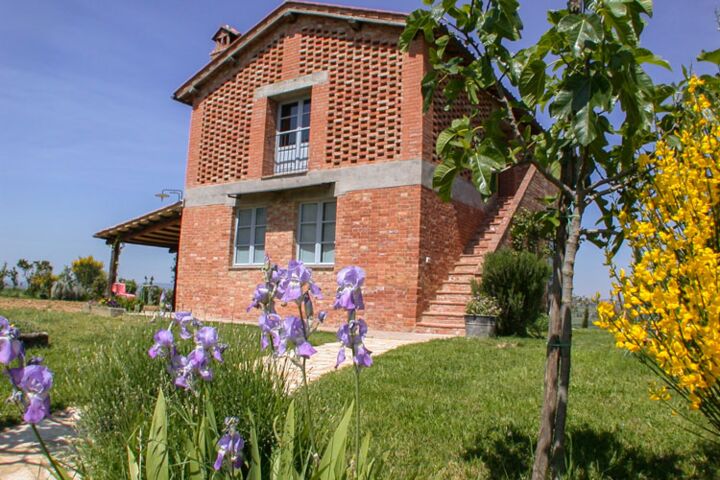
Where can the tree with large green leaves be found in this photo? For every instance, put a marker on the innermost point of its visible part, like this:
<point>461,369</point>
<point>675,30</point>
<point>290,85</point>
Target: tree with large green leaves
<point>586,73</point>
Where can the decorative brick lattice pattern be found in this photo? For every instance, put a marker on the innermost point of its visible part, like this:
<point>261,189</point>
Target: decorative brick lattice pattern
<point>225,142</point>
<point>364,94</point>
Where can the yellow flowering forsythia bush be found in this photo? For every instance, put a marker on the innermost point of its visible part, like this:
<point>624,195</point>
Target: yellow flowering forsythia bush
<point>667,309</point>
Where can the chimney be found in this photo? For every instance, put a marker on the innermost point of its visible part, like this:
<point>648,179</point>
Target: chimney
<point>223,38</point>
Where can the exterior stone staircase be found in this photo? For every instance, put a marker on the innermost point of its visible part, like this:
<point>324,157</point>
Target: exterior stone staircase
<point>446,311</point>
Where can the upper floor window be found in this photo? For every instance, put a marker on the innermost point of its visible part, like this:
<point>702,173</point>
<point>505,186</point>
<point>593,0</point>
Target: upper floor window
<point>316,232</point>
<point>293,137</point>
<point>250,236</point>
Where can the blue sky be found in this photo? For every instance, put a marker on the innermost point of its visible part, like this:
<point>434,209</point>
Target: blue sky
<point>89,133</point>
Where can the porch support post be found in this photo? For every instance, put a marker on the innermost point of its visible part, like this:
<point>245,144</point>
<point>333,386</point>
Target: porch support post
<point>113,268</point>
<point>176,252</point>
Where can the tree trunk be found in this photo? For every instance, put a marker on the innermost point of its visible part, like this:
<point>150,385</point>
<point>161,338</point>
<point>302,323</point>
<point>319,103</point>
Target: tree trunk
<point>547,416</point>
<point>568,273</point>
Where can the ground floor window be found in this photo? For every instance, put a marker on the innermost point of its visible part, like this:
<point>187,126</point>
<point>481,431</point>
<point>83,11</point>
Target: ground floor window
<point>250,236</point>
<point>316,232</point>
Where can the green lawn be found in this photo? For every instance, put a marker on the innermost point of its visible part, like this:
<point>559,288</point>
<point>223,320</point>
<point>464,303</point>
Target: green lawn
<point>73,338</point>
<point>456,408</point>
<point>463,408</point>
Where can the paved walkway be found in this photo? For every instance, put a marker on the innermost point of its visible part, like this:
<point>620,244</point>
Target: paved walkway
<point>326,357</point>
<point>21,458</point>
<point>20,455</point>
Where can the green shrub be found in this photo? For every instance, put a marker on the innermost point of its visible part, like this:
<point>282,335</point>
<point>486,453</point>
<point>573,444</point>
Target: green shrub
<point>119,385</point>
<point>67,287</point>
<point>517,280</point>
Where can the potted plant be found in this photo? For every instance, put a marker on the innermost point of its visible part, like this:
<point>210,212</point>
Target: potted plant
<point>481,316</point>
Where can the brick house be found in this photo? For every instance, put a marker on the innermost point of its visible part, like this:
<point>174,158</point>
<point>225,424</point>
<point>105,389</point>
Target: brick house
<point>308,140</point>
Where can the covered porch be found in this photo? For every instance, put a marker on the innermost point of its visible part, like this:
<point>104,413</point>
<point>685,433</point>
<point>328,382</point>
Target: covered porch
<point>159,228</point>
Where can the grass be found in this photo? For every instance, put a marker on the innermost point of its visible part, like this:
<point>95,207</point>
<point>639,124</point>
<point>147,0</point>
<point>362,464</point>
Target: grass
<point>465,408</point>
<point>456,408</point>
<point>74,337</point>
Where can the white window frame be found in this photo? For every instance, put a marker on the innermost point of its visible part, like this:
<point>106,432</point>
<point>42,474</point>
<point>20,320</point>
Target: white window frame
<point>253,226</point>
<point>319,222</point>
<point>299,155</point>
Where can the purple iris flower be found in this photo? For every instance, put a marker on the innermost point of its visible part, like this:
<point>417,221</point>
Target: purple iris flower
<point>34,381</point>
<point>349,293</point>
<point>230,445</point>
<point>164,344</point>
<point>261,296</point>
<point>292,335</point>
<point>199,362</point>
<point>10,347</point>
<point>352,336</point>
<point>183,319</point>
<point>269,324</point>
<point>180,367</point>
<point>207,339</point>
<point>297,275</point>
<point>186,368</point>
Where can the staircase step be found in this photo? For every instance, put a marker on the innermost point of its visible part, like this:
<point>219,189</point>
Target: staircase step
<point>461,277</point>
<point>455,287</point>
<point>443,329</point>
<point>460,268</point>
<point>443,317</point>
<point>444,306</point>
<point>462,297</point>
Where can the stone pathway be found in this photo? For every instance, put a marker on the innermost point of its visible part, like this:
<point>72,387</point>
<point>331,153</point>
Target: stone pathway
<point>20,455</point>
<point>326,357</point>
<point>21,458</point>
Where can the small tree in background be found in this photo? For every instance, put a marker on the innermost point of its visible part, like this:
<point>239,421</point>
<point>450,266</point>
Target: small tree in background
<point>87,270</point>
<point>586,317</point>
<point>4,272</point>
<point>41,279</point>
<point>13,276</point>
<point>26,268</point>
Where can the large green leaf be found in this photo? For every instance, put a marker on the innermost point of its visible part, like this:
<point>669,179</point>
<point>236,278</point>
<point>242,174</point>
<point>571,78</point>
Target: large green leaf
<point>287,445</point>
<point>332,463</point>
<point>133,467</point>
<point>443,179</point>
<point>255,472</point>
<point>581,30</point>
<point>443,139</point>
<point>646,6</point>
<point>484,163</point>
<point>643,55</point>
<point>584,126</point>
<point>532,82</point>
<point>156,460</point>
<point>417,21</point>
<point>712,57</point>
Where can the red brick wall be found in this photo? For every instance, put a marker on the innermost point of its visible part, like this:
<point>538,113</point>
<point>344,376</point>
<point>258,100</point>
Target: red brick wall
<point>378,230</point>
